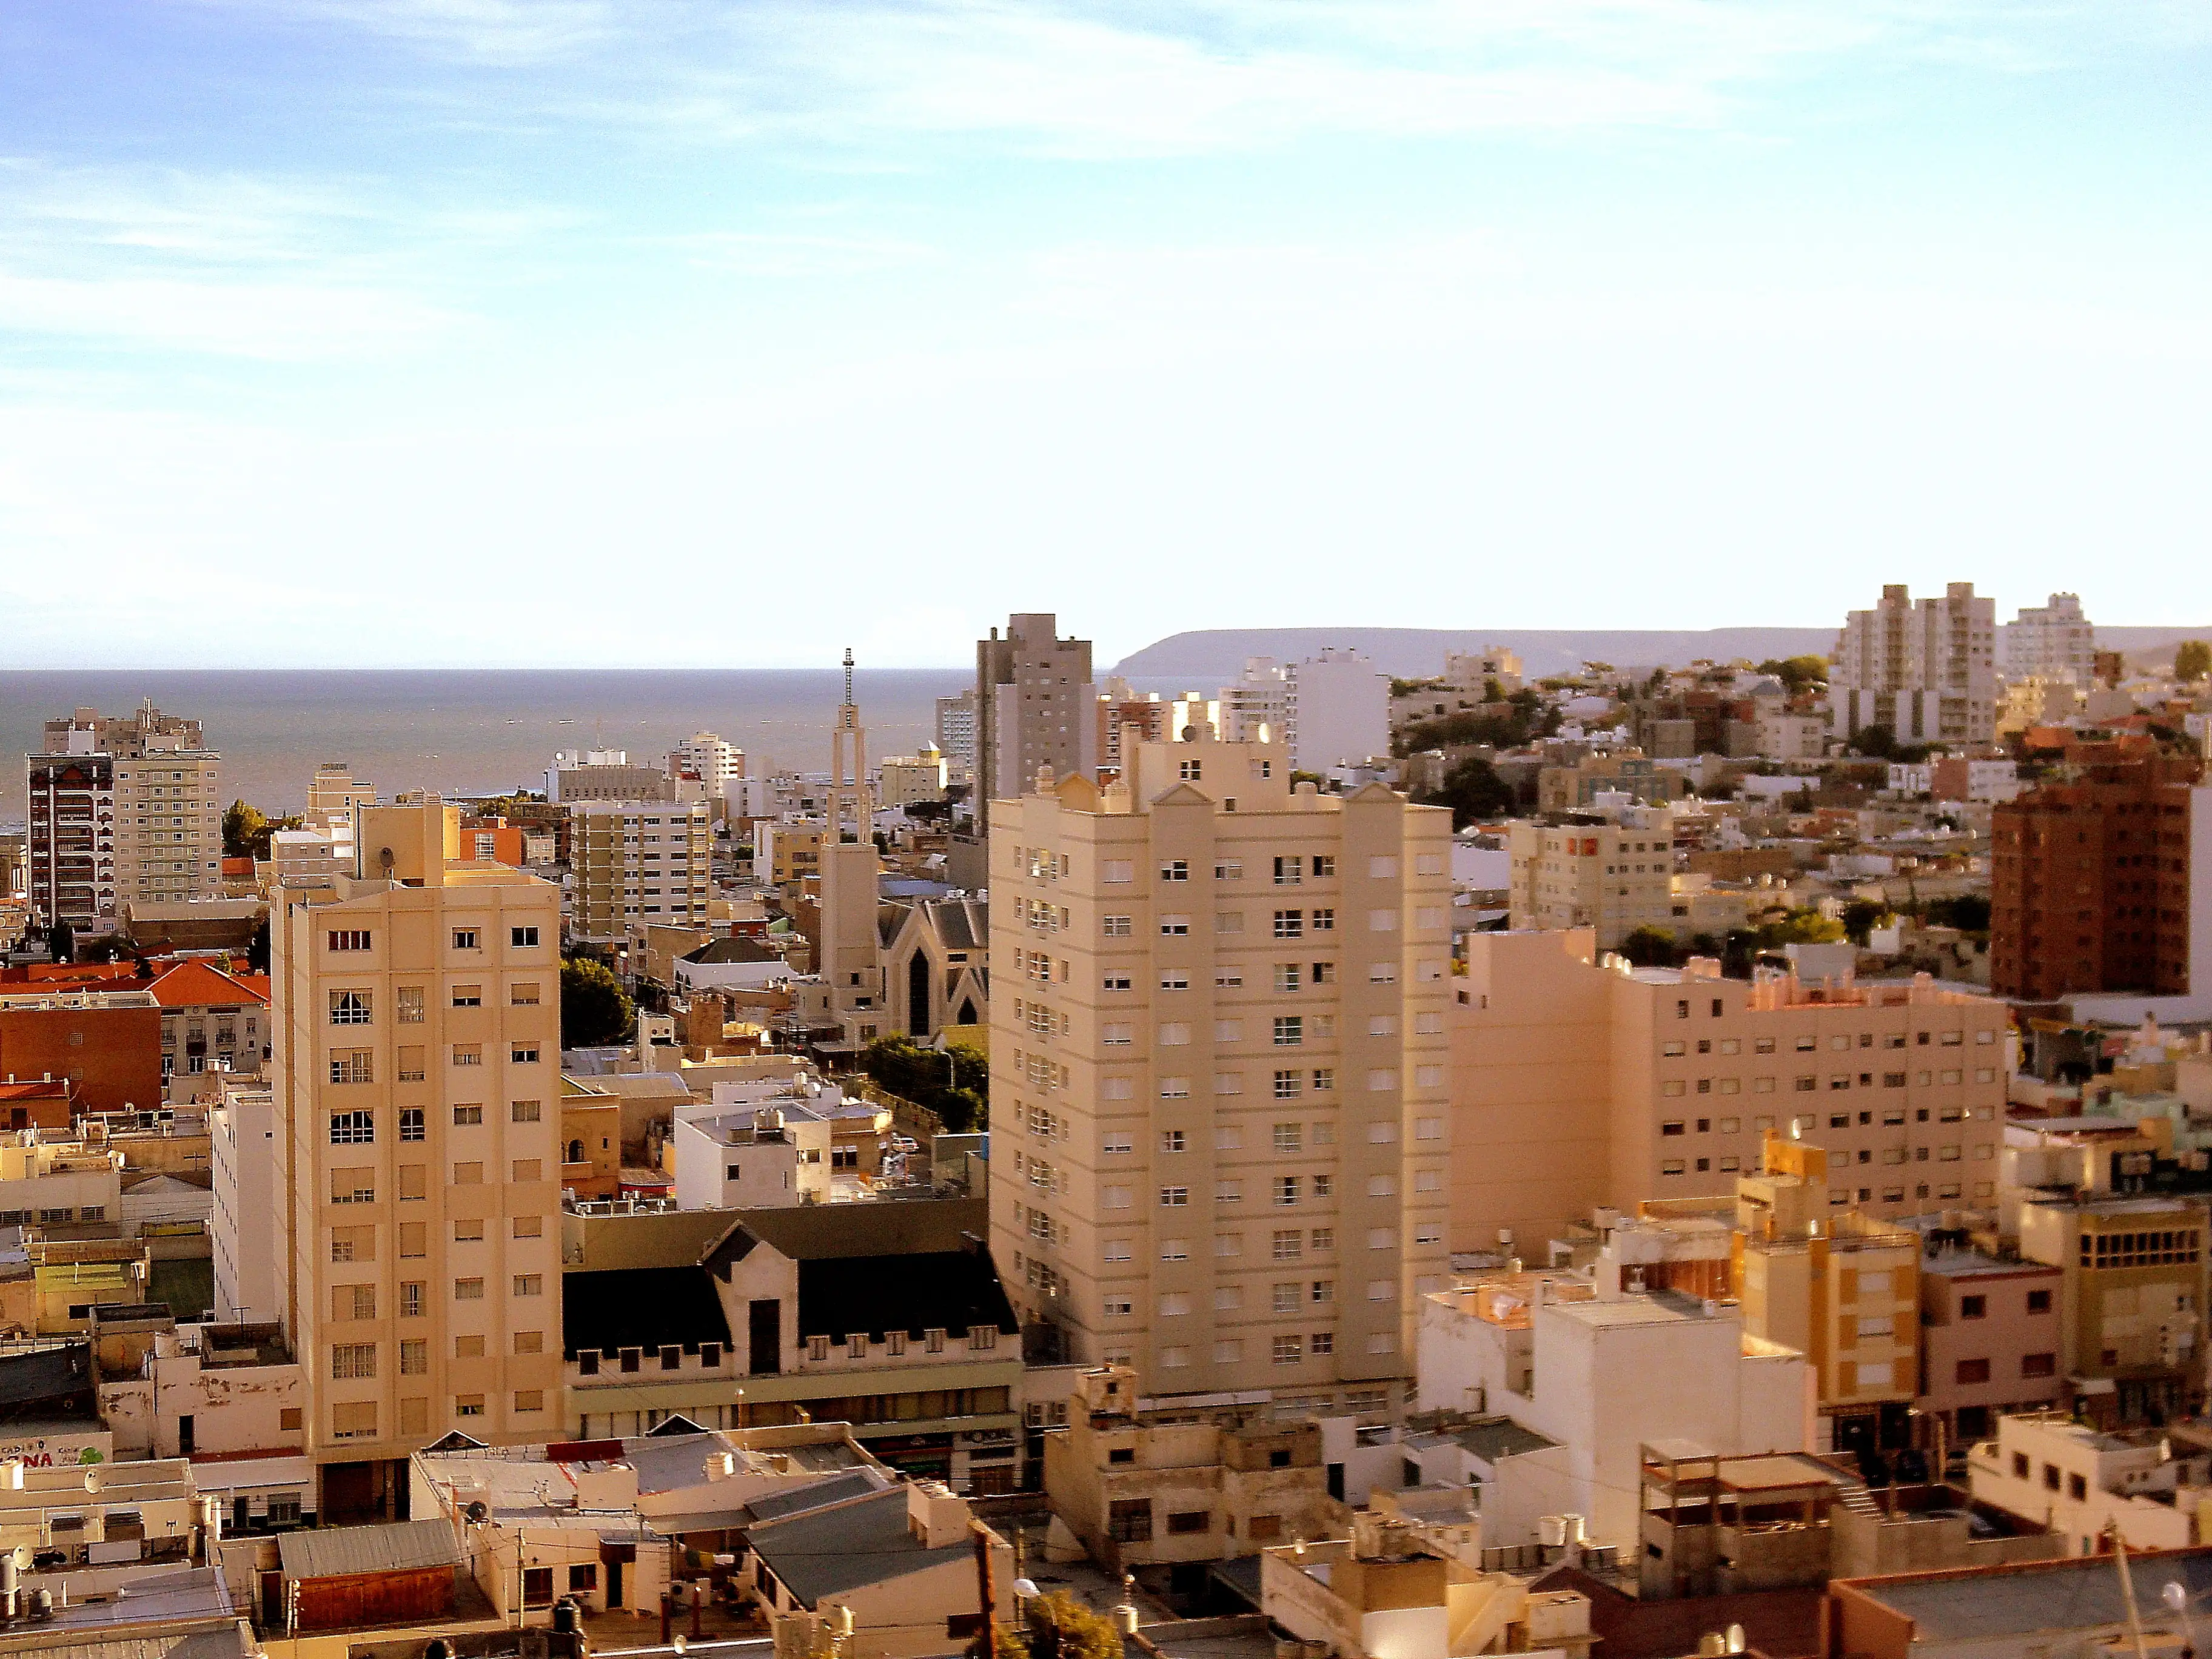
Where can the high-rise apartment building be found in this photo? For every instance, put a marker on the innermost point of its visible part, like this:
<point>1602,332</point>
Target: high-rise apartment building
<point>1581,1082</point>
<point>1611,869</point>
<point>125,737</point>
<point>1034,700</point>
<point>1333,709</point>
<point>955,734</point>
<point>2095,882</point>
<point>1925,668</point>
<point>418,1163</point>
<point>2052,643</point>
<point>122,808</point>
<point>715,764</point>
<point>1218,1095</point>
<point>637,862</point>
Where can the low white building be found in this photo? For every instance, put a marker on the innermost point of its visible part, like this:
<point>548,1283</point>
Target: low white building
<point>2155,1491</point>
<point>1601,1372</point>
<point>233,1397</point>
<point>753,1158</point>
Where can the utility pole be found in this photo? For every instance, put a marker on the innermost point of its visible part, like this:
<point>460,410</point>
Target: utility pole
<point>986,1598</point>
<point>2128,1592</point>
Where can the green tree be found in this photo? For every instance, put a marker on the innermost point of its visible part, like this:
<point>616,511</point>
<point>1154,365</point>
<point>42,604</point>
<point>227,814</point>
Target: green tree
<point>1474,792</point>
<point>1969,912</point>
<point>61,939</point>
<point>1876,742</point>
<point>1800,927</point>
<point>1651,947</point>
<point>593,1008</point>
<point>1797,673</point>
<point>242,826</point>
<point>954,1081</point>
<point>2192,660</point>
<point>1061,1627</point>
<point>1862,916</point>
<point>256,948</point>
<point>247,830</point>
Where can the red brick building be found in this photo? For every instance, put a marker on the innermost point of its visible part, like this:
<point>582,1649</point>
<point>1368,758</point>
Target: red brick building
<point>106,1043</point>
<point>2089,881</point>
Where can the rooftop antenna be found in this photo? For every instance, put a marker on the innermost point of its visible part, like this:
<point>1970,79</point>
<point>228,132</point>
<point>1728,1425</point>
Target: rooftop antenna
<point>849,673</point>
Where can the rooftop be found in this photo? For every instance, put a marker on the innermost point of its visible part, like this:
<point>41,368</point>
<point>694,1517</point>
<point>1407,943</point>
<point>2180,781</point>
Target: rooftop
<point>2076,1593</point>
<point>824,1552</point>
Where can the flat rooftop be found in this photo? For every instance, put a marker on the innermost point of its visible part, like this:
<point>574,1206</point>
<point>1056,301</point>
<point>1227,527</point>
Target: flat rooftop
<point>2072,1594</point>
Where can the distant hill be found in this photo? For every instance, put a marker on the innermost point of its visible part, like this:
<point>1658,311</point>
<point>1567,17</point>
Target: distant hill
<point>1210,656</point>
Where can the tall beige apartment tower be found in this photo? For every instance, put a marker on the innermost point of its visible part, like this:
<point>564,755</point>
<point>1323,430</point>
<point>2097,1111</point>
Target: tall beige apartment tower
<point>122,808</point>
<point>1218,1094</point>
<point>1034,705</point>
<point>418,1115</point>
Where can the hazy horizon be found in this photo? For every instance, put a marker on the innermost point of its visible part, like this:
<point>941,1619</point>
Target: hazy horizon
<point>409,333</point>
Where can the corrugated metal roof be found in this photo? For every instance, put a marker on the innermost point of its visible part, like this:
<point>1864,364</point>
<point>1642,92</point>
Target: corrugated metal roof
<point>341,1551</point>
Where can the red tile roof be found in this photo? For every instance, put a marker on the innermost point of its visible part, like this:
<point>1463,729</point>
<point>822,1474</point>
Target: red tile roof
<point>198,984</point>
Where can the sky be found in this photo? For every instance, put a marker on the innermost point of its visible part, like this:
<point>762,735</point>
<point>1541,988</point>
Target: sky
<point>665,332</point>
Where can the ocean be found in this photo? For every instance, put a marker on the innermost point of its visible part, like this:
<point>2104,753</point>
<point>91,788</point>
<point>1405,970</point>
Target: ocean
<point>465,731</point>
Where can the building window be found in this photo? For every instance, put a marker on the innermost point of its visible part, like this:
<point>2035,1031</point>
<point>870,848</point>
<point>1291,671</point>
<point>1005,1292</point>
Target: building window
<point>468,1053</point>
<point>353,1361</point>
<point>522,939</point>
<point>468,996</point>
<point>468,1289</point>
<point>472,1405</point>
<point>523,1056</point>
<point>524,1111</point>
<point>1973,1307</point>
<point>411,1123</point>
<point>350,1008</point>
<point>411,1299</point>
<point>1288,1350</point>
<point>1290,1030</point>
<point>352,1128</point>
<point>1973,1371</point>
<point>467,939</point>
<point>353,1066</point>
<point>2039,1302</point>
<point>349,939</point>
<point>413,1358</point>
<point>465,1115</point>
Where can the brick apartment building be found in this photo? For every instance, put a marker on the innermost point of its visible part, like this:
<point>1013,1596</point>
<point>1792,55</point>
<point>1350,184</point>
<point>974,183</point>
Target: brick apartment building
<point>2091,881</point>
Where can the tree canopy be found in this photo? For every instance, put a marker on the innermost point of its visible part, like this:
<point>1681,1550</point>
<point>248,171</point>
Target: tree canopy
<point>595,1009</point>
<point>953,1082</point>
<point>1797,673</point>
<point>247,830</point>
<point>2192,659</point>
<point>1474,792</point>
<point>1651,947</point>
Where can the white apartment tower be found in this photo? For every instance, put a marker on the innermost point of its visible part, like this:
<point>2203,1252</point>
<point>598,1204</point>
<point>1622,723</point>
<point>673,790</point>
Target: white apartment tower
<point>1925,668</point>
<point>417,1220</point>
<point>1219,1098</point>
<point>1035,706</point>
<point>718,765</point>
<point>2052,643</point>
<point>1329,710</point>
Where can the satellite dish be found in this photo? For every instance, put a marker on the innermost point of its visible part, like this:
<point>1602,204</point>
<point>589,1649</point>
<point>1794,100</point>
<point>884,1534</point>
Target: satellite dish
<point>477,1512</point>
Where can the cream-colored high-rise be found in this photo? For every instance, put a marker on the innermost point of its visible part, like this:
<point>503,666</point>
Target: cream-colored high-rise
<point>418,1012</point>
<point>1218,1072</point>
